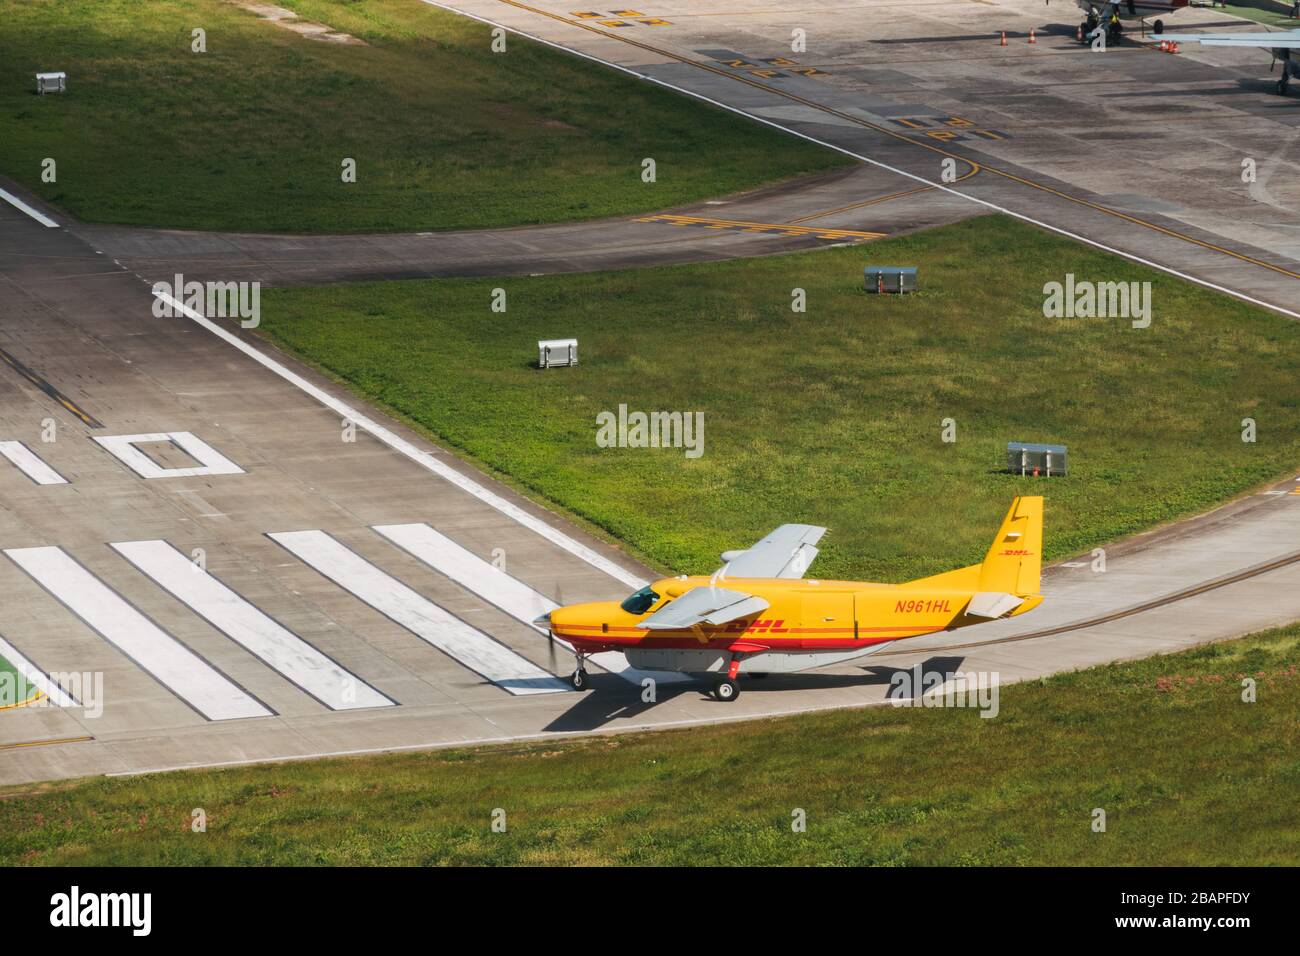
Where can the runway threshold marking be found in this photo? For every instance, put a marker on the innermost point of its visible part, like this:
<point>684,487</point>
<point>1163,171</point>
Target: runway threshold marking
<point>297,661</point>
<point>422,458</point>
<point>36,379</point>
<point>786,229</point>
<point>976,167</point>
<point>466,645</point>
<point>495,586</point>
<point>183,672</point>
<point>211,461</point>
<point>30,464</point>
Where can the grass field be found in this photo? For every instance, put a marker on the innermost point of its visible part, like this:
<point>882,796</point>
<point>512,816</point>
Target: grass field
<point>251,134</point>
<point>1271,14</point>
<point>13,686</point>
<point>832,416</point>
<point>1186,772</point>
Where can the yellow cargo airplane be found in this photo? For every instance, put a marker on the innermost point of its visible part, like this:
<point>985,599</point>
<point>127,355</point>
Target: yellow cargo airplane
<point>757,613</point>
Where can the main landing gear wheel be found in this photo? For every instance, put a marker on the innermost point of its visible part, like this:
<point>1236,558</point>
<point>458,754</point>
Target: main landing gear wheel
<point>578,679</point>
<point>726,689</point>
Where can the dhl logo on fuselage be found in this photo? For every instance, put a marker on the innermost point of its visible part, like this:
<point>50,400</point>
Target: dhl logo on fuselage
<point>757,627</point>
<point>1016,553</point>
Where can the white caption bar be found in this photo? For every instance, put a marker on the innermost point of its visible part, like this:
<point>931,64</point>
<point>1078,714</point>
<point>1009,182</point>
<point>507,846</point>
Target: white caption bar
<point>426,620</point>
<point>498,588</point>
<point>249,627</point>
<point>175,666</point>
<point>30,464</point>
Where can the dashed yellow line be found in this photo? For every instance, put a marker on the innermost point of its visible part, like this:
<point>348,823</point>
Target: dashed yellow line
<point>783,228</point>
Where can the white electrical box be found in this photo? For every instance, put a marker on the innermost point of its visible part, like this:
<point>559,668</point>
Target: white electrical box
<point>557,353</point>
<point>51,82</point>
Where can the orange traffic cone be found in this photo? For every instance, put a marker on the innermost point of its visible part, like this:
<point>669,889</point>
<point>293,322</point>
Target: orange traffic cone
<point>1078,33</point>
<point>1004,38</point>
<point>1032,37</point>
<point>1173,46</point>
<point>1164,46</point>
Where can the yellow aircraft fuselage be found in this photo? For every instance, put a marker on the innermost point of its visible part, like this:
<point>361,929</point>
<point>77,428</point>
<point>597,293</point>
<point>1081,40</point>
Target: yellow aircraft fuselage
<point>805,616</point>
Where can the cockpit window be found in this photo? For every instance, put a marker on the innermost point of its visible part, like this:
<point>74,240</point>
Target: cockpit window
<point>641,601</point>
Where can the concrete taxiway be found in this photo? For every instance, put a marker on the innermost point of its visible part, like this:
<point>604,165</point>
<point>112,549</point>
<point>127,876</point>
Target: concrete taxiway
<point>251,585</point>
<point>1139,151</point>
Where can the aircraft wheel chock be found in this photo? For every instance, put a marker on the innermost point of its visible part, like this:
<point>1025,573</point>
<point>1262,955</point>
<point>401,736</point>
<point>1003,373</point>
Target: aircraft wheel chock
<point>726,690</point>
<point>579,679</point>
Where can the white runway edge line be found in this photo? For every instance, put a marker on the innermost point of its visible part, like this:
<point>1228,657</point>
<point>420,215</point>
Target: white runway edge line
<point>30,463</point>
<point>21,206</point>
<point>424,459</point>
<point>174,665</point>
<point>36,677</point>
<point>465,644</point>
<point>873,162</point>
<point>511,595</point>
<point>249,627</point>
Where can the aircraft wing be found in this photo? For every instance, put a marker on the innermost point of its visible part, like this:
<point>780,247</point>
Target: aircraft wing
<point>785,553</point>
<point>704,605</point>
<point>1278,40</point>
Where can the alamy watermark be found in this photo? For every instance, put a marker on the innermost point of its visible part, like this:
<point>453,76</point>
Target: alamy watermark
<point>1073,299</point>
<point>212,300</point>
<point>651,430</point>
<point>921,688</point>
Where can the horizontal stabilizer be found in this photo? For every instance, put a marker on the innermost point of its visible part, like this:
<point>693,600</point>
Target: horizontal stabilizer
<point>785,553</point>
<point>706,605</point>
<point>991,604</point>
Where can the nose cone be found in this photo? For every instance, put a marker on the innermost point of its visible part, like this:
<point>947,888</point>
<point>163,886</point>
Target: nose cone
<point>543,621</point>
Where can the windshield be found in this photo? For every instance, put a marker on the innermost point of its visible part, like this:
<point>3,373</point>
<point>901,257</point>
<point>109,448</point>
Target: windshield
<point>641,601</point>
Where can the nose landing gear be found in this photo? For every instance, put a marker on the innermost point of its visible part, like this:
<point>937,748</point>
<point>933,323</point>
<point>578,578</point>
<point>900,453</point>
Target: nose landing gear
<point>579,677</point>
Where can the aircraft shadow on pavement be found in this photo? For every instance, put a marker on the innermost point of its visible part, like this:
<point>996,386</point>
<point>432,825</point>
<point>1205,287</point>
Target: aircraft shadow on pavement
<point>613,699</point>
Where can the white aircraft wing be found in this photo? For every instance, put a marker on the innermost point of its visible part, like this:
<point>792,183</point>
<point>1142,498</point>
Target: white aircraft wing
<point>785,553</point>
<point>704,605</point>
<point>1279,40</point>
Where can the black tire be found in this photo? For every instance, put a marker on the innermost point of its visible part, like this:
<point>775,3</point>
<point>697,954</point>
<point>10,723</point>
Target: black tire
<point>578,679</point>
<point>726,690</point>
<point>1160,27</point>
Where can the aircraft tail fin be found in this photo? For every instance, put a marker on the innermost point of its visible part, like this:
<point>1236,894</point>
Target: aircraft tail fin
<point>1013,563</point>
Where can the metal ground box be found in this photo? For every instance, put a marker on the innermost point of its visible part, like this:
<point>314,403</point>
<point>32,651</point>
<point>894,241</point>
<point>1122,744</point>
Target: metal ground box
<point>896,279</point>
<point>557,353</point>
<point>51,82</point>
<point>1029,458</point>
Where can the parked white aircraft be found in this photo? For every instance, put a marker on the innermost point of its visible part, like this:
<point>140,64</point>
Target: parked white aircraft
<point>1283,44</point>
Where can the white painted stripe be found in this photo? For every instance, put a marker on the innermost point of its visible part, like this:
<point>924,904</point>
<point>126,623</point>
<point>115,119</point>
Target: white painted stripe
<point>498,588</point>
<point>36,677</point>
<point>249,627</point>
<point>21,206</point>
<point>173,664</point>
<point>868,160</point>
<point>211,461</point>
<point>31,463</point>
<point>426,620</point>
<point>424,459</point>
